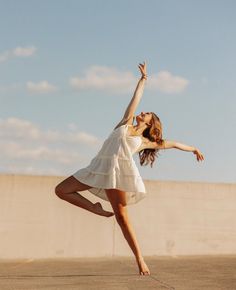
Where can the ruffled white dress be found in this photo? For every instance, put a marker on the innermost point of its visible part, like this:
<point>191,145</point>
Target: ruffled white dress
<point>114,167</point>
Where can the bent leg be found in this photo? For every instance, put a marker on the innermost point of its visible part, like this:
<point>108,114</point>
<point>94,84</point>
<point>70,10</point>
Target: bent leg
<point>117,199</point>
<point>67,190</point>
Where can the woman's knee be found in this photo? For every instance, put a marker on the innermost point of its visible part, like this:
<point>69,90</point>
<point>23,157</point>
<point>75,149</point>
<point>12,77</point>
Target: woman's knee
<point>59,191</point>
<point>69,185</point>
<point>121,215</point>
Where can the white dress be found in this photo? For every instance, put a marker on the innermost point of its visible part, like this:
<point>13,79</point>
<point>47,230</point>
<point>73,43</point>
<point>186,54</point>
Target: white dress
<point>114,167</point>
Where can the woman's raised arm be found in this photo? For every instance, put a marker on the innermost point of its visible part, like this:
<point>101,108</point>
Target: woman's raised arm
<point>129,112</point>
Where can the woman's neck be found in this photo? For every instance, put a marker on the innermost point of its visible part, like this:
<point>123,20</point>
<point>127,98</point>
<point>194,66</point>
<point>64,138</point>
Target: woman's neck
<point>139,128</point>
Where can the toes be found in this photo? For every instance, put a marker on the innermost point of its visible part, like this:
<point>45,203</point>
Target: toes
<point>144,273</point>
<point>109,214</point>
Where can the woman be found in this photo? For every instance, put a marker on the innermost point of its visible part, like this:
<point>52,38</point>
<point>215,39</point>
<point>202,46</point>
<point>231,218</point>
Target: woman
<point>112,174</point>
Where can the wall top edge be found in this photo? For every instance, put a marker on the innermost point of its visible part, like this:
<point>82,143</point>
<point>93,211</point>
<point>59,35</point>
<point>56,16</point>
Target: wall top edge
<point>145,180</point>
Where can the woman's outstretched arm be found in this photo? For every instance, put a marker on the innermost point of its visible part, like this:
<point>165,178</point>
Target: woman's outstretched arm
<point>129,112</point>
<point>167,144</point>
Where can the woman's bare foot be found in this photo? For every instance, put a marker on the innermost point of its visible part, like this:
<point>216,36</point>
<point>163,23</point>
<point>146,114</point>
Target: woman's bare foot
<point>100,211</point>
<point>143,268</point>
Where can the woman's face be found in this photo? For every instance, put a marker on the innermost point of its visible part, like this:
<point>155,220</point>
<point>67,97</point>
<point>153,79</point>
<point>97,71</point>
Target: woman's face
<point>144,117</point>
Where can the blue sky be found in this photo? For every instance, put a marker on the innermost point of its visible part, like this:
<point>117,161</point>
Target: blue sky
<point>69,68</point>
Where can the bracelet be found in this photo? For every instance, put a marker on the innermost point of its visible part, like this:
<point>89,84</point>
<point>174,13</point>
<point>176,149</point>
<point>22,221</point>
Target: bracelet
<point>144,77</point>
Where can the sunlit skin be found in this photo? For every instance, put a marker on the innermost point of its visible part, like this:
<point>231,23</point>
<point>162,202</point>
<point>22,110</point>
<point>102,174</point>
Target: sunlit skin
<point>143,121</point>
<point>144,118</point>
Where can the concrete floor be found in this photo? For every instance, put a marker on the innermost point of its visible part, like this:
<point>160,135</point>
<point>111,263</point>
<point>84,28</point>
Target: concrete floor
<point>180,273</point>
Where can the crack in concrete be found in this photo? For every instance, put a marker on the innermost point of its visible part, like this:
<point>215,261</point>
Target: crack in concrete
<point>163,283</point>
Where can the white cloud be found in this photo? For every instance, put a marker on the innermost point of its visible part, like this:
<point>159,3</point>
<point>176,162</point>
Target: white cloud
<point>104,78</point>
<point>19,151</point>
<point>165,82</point>
<point>17,52</point>
<point>15,128</point>
<point>41,87</point>
<point>26,148</point>
<point>115,81</point>
<point>18,128</point>
<point>24,51</point>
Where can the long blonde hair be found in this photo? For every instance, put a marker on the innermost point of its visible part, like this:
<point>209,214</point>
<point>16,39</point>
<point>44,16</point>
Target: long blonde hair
<point>153,133</point>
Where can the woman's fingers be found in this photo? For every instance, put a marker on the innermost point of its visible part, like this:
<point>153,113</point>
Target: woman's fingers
<point>142,68</point>
<point>143,64</point>
<point>199,155</point>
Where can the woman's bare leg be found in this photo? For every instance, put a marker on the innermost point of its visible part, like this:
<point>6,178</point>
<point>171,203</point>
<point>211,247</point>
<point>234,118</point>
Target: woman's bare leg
<point>67,190</point>
<point>117,199</point>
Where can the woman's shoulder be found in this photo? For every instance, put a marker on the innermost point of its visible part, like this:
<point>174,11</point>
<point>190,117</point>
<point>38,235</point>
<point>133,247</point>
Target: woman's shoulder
<point>120,126</point>
<point>154,145</point>
<point>125,122</point>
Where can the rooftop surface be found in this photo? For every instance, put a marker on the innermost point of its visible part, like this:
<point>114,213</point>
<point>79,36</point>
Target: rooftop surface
<point>120,273</point>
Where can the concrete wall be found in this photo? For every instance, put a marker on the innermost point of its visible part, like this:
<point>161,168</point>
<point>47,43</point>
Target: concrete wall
<point>176,218</point>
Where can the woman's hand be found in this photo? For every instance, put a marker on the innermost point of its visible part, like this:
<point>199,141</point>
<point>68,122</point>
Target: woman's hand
<point>199,155</point>
<point>142,68</point>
